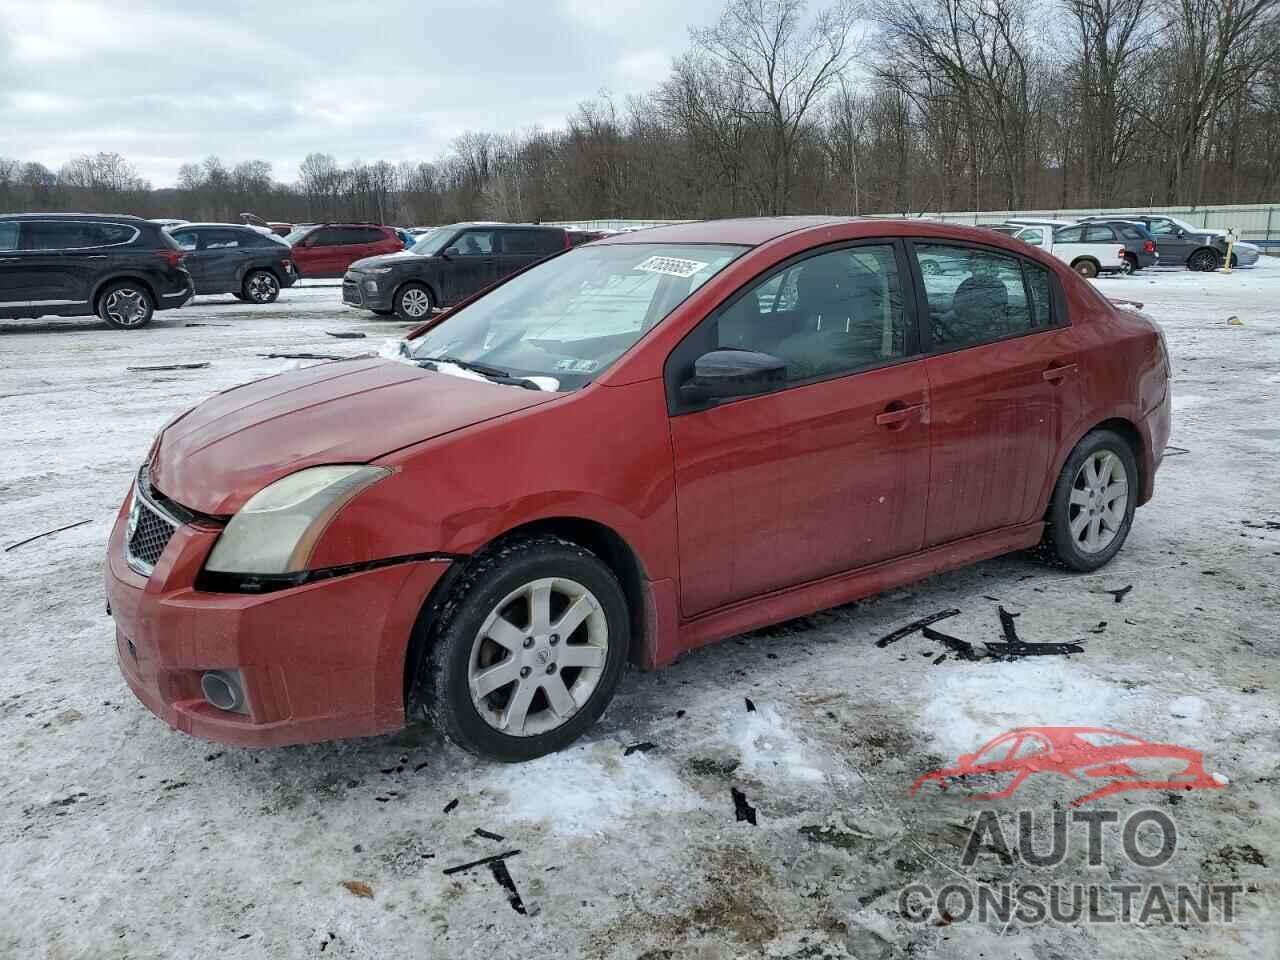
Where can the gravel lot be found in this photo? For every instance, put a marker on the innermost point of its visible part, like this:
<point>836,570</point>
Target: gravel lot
<point>121,838</point>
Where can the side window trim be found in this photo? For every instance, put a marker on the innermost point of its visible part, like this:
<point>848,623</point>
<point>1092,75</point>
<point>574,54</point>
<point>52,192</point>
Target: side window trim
<point>1059,314</point>
<point>77,223</point>
<point>697,342</point>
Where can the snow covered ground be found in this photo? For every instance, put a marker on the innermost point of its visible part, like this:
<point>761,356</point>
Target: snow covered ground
<point>121,838</point>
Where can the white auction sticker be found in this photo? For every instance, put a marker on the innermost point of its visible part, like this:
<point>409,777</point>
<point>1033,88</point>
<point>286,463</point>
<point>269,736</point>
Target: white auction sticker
<point>671,266</point>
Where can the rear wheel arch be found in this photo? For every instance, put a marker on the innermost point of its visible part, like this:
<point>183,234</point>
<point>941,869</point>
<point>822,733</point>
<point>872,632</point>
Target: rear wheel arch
<point>599,539</point>
<point>1123,426</point>
<point>96,300</point>
<point>1078,261</point>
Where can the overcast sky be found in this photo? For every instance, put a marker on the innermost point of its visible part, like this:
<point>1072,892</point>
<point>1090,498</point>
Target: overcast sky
<point>164,82</point>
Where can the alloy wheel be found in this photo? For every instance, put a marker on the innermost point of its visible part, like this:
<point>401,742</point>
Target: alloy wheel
<point>1099,502</point>
<point>126,307</point>
<point>416,302</point>
<point>263,288</point>
<point>538,657</point>
<point>1204,261</point>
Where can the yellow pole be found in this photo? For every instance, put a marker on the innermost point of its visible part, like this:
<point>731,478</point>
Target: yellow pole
<point>1231,242</point>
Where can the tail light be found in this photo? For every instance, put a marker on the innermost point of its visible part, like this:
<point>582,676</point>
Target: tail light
<point>1123,251</point>
<point>1149,246</point>
<point>173,258</point>
<point>568,241</point>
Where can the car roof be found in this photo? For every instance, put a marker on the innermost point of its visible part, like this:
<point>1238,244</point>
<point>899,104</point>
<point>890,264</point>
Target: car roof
<point>233,226</point>
<point>499,223</point>
<point>90,217</point>
<point>748,231</point>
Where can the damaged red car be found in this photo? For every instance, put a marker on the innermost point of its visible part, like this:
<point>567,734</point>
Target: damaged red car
<point>632,449</point>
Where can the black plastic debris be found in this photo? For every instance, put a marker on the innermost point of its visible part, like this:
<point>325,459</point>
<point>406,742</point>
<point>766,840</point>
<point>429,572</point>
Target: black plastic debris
<point>751,707</point>
<point>1014,646</point>
<point>680,714</point>
<point>449,871</point>
<point>449,807</point>
<point>1261,524</point>
<point>963,649</point>
<point>500,873</point>
<point>741,809</point>
<point>169,366</point>
<point>644,746</point>
<point>206,324</point>
<point>1175,451</point>
<point>299,356</point>
<point>939,658</point>
<point>47,533</point>
<point>480,832</point>
<point>1121,593</point>
<point>345,334</point>
<point>1100,628</point>
<point>913,626</point>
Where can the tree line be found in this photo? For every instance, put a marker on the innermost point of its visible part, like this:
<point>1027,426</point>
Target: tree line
<point>853,106</point>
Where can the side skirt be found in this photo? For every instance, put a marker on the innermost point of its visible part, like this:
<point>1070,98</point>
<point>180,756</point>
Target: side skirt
<point>806,598</point>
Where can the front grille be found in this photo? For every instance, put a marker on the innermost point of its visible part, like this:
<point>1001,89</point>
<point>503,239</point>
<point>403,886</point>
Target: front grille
<point>351,293</point>
<point>149,534</point>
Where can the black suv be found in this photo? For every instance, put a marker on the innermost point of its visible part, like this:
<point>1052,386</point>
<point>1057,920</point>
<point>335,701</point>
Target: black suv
<point>447,265</point>
<point>232,258</point>
<point>121,268</point>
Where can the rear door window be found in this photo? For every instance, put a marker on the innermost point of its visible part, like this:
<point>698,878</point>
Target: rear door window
<point>1069,235</point>
<point>221,239</point>
<point>1098,233</point>
<point>8,236</point>
<point>50,235</point>
<point>981,299</point>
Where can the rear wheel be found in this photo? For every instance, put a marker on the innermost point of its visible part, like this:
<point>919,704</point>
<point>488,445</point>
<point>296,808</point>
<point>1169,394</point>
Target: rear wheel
<point>1204,260</point>
<point>413,302</point>
<point>260,286</point>
<point>528,649</point>
<point>126,305</point>
<point>1093,503</point>
<point>1086,268</point>
<point>1130,264</point>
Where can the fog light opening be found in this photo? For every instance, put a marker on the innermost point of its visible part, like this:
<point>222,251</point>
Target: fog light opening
<point>222,690</point>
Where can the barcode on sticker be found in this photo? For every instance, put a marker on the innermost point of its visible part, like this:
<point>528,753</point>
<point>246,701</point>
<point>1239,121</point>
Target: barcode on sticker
<point>671,266</point>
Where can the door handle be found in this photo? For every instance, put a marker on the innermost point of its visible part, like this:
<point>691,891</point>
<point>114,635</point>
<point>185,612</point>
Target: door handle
<point>897,414</point>
<point>1059,372</point>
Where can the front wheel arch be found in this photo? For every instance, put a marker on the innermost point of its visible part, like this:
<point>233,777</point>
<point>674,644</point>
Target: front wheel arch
<point>414,281</point>
<point>608,545</point>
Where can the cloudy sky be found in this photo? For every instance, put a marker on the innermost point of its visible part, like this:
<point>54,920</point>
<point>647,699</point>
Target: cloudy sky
<point>164,82</point>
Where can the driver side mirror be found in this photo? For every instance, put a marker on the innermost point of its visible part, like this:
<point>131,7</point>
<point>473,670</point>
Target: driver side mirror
<point>722,374</point>
<point>450,252</point>
<point>1181,232</point>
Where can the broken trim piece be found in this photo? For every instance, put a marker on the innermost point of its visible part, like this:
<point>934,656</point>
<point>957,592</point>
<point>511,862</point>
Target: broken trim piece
<point>913,626</point>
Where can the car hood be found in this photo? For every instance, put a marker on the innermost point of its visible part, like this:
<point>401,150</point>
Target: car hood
<point>387,260</point>
<point>223,451</point>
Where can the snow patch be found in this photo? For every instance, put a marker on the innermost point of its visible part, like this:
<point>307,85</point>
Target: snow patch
<point>586,791</point>
<point>767,746</point>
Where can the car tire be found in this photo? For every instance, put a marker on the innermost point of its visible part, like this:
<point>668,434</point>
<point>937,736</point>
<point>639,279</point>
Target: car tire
<point>1087,522</point>
<point>1204,260</point>
<point>260,287</point>
<point>126,305</point>
<point>1129,265</point>
<point>1235,262</point>
<point>501,585</point>
<point>1086,268</point>
<point>413,303</point>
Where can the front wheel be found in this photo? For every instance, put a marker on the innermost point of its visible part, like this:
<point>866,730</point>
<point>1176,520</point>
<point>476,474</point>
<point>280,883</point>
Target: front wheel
<point>413,302</point>
<point>528,650</point>
<point>1086,268</point>
<point>1206,261</point>
<point>126,305</point>
<point>1093,503</point>
<point>260,286</point>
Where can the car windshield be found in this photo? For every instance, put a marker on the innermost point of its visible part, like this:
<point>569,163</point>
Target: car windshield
<point>1183,225</point>
<point>429,243</point>
<point>570,317</point>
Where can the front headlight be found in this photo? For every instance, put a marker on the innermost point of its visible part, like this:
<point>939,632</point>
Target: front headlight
<point>379,270</point>
<point>276,530</point>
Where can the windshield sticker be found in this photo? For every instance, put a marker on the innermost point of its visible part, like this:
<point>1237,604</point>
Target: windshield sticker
<point>671,266</point>
<point>575,365</point>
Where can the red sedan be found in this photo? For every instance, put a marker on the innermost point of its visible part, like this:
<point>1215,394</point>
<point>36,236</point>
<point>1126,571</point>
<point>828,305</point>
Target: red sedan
<point>640,446</point>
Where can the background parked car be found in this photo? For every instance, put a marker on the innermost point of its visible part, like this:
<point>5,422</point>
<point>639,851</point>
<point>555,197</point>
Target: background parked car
<point>1071,245</point>
<point>232,258</point>
<point>328,249</point>
<point>1178,242</point>
<point>121,268</point>
<point>446,266</point>
<point>1139,244</point>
